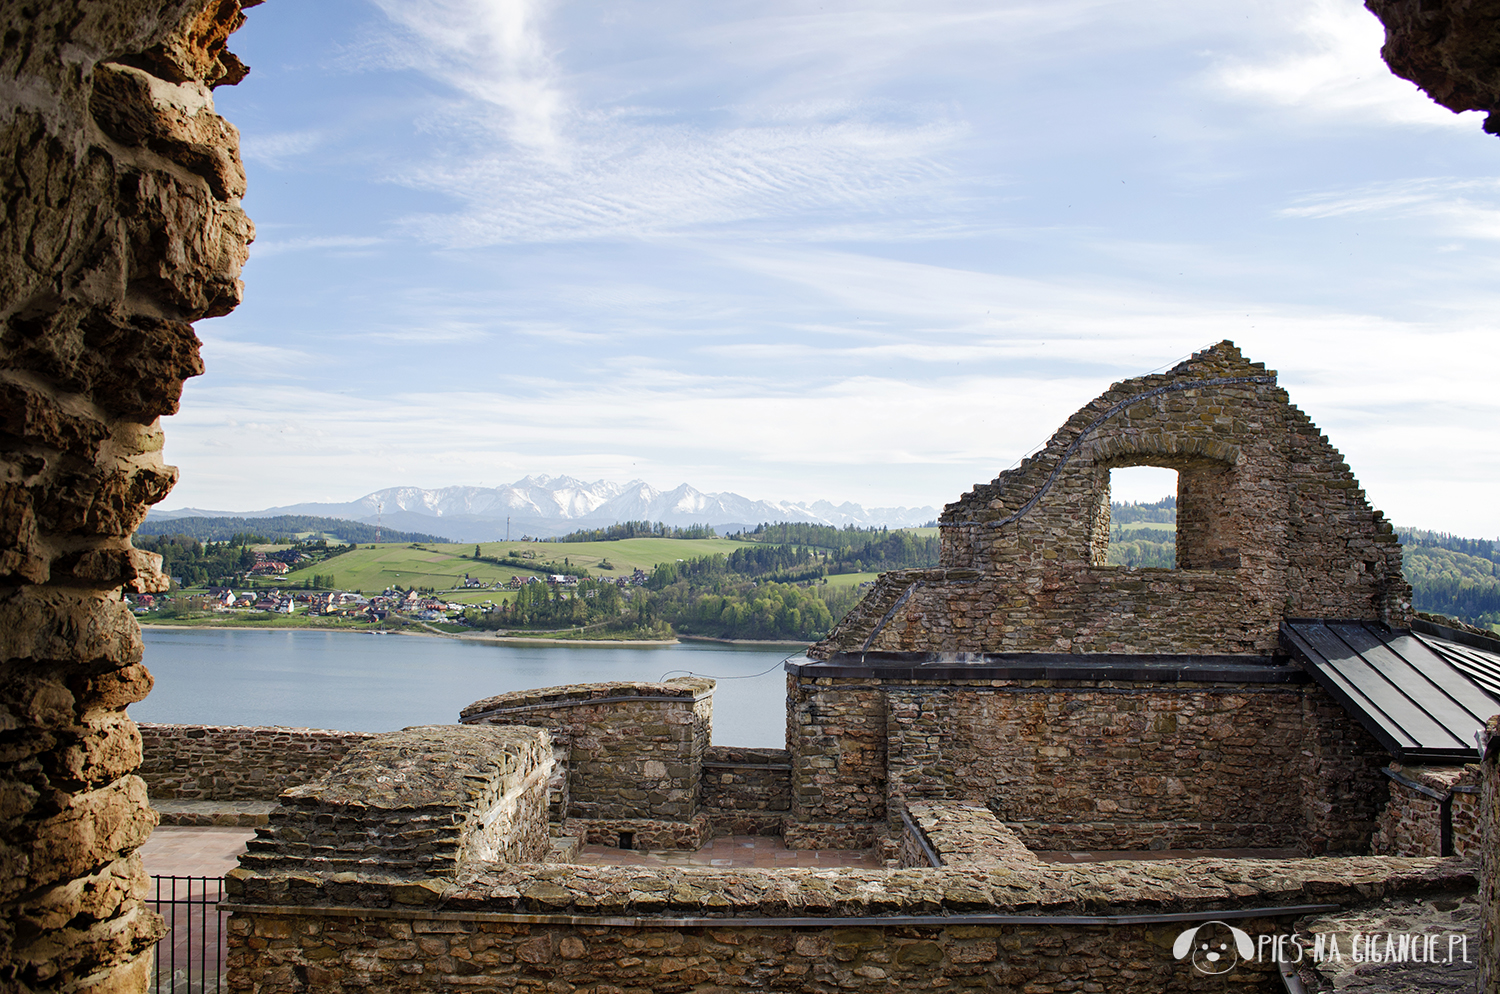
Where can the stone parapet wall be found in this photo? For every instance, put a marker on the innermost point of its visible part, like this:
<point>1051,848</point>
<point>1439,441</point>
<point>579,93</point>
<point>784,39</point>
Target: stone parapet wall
<point>1427,804</point>
<point>598,928</point>
<point>319,950</point>
<point>237,762</point>
<point>419,802</point>
<point>634,750</point>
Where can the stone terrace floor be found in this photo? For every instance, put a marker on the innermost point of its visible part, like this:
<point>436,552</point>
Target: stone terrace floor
<point>211,852</point>
<point>765,851</point>
<point>182,851</point>
<point>188,851</point>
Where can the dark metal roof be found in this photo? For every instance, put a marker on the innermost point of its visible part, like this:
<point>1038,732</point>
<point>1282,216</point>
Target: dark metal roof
<point>1410,696</point>
<point>1476,656</point>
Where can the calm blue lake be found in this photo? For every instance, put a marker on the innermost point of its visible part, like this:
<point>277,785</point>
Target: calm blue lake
<point>368,683</point>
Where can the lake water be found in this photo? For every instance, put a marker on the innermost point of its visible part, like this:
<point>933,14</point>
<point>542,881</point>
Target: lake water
<point>367,683</point>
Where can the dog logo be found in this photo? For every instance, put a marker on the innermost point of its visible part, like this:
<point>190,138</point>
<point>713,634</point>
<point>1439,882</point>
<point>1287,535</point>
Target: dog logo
<point>1215,947</point>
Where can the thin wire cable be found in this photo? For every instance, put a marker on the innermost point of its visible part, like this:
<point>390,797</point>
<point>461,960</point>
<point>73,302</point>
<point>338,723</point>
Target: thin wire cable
<point>1166,365</point>
<point>749,676</point>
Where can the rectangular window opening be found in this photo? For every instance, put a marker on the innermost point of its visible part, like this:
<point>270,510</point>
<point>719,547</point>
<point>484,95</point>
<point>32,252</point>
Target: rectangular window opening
<point>1143,517</point>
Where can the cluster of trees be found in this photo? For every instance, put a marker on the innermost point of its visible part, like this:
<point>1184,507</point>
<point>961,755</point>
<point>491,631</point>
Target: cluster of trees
<point>1143,546</point>
<point>1457,577</point>
<point>221,564</point>
<point>1162,511</point>
<point>805,551</point>
<point>277,529</point>
<point>740,608</point>
<point>198,564</point>
<point>636,529</point>
<point>889,550</point>
<point>701,595</point>
<point>539,605</point>
<point>1478,548</point>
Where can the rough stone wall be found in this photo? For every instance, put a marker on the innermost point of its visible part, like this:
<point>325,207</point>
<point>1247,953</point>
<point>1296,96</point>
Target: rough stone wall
<point>1489,861</point>
<point>747,791</point>
<point>1271,524</point>
<point>634,754</point>
<point>1107,767</point>
<point>1449,48</point>
<point>1072,764</point>
<point>342,914</point>
<point>236,762</point>
<point>1343,790</point>
<point>418,802</point>
<point>119,194</point>
<point>836,733</point>
<point>1410,824</point>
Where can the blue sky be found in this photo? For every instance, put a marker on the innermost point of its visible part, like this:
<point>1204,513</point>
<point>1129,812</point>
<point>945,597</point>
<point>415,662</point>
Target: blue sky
<point>870,252</point>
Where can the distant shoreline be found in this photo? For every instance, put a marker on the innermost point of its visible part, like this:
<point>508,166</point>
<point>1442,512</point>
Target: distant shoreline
<point>710,638</point>
<point>465,636</point>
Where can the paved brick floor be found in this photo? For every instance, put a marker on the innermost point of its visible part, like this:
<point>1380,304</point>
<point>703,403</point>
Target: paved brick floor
<point>736,851</point>
<point>182,851</point>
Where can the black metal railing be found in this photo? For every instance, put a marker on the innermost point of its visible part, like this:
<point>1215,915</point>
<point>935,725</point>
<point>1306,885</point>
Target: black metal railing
<point>189,958</point>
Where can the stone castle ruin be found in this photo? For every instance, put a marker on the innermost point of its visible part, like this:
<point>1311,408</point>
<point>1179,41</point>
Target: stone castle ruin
<point>1022,697</point>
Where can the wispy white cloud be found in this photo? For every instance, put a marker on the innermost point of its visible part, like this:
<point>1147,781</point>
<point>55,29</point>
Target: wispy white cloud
<point>494,51</point>
<point>276,150</point>
<point>642,179</point>
<point>1333,70</point>
<point>229,357</point>
<point>311,243</point>
<point>1464,208</point>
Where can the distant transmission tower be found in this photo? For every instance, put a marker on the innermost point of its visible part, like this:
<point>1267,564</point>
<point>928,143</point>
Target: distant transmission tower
<point>379,512</point>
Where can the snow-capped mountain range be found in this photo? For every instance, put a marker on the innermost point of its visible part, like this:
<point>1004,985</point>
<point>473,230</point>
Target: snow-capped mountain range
<point>555,505</point>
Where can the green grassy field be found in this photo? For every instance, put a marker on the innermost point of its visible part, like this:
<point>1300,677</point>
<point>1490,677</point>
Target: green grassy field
<point>1153,526</point>
<point>849,579</point>
<point>442,567</point>
<point>625,555</point>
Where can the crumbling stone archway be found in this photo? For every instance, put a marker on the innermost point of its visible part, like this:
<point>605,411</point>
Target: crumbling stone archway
<point>1271,524</point>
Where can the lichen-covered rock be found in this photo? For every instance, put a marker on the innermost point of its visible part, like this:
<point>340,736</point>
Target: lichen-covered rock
<point>1449,48</point>
<point>120,224</point>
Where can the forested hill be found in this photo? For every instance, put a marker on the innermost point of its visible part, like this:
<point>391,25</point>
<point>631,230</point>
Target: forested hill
<point>281,528</point>
<point>1449,575</point>
<point>1458,577</point>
